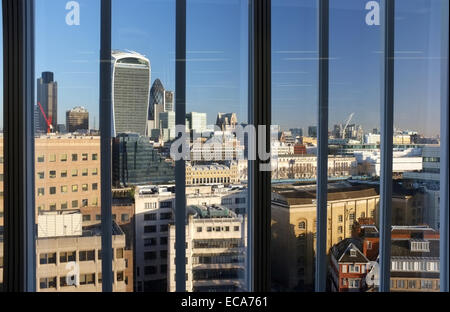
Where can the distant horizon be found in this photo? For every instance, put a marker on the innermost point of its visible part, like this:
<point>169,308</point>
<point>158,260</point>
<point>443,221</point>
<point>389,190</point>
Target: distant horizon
<point>217,59</point>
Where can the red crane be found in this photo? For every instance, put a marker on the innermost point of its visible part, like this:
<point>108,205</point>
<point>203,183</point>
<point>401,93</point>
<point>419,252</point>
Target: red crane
<point>47,120</point>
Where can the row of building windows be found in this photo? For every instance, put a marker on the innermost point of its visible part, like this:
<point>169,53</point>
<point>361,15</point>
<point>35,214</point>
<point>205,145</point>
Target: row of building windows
<point>84,279</point>
<point>125,217</point>
<point>153,269</point>
<point>64,174</point>
<point>211,180</point>
<point>218,243</point>
<point>302,224</point>
<point>217,229</point>
<point>414,284</point>
<point>415,266</point>
<point>153,241</point>
<point>432,159</point>
<point>152,228</point>
<point>229,201</point>
<point>64,157</point>
<point>162,205</point>
<point>353,268</point>
<point>218,259</point>
<point>351,282</point>
<point>70,256</point>
<point>64,189</point>
<point>152,255</point>
<point>217,274</point>
<point>64,205</point>
<point>162,216</point>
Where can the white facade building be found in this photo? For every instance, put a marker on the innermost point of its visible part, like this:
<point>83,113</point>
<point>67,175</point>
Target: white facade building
<point>429,180</point>
<point>216,250</point>
<point>154,212</point>
<point>403,161</point>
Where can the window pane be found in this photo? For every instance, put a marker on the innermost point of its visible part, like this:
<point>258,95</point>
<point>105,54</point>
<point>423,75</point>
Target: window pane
<point>216,175</point>
<point>67,77</point>
<point>143,174</point>
<point>354,144</point>
<point>416,169</point>
<point>294,143</point>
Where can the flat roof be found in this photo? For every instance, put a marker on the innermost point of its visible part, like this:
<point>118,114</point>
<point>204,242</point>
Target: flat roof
<point>297,195</point>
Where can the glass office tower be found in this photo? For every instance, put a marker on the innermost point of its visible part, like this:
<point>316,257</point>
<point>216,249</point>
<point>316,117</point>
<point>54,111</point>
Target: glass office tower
<point>136,162</point>
<point>131,91</point>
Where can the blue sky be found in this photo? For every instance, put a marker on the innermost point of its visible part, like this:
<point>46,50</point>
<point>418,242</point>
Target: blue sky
<point>217,45</point>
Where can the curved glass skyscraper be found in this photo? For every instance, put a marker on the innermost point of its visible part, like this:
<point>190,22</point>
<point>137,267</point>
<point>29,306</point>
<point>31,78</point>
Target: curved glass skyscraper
<point>130,92</point>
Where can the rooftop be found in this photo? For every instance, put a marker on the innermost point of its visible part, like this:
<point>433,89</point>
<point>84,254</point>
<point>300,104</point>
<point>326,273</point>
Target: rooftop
<point>96,230</point>
<point>349,250</point>
<point>210,212</point>
<point>306,194</point>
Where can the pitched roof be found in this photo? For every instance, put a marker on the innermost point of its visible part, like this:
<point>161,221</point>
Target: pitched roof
<point>342,251</point>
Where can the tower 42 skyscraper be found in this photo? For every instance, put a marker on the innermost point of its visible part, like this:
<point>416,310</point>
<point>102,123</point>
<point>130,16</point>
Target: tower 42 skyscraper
<point>131,91</point>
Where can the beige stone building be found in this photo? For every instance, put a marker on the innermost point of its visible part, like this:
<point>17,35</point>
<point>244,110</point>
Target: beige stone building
<point>294,226</point>
<point>67,172</point>
<point>68,255</point>
<point>212,174</point>
<point>305,166</point>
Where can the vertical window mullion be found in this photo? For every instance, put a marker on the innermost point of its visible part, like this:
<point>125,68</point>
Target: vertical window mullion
<point>444,213</point>
<point>260,115</point>
<point>19,220</point>
<point>180,165</point>
<point>387,132</point>
<point>105,132</point>
<point>322,151</point>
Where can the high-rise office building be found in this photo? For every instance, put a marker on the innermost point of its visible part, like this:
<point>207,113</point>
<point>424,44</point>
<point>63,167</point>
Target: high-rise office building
<point>156,104</point>
<point>161,101</point>
<point>37,116</point>
<point>167,125</point>
<point>312,131</point>
<point>77,119</point>
<point>296,132</point>
<point>168,101</point>
<point>47,96</point>
<point>196,122</point>
<point>130,89</point>
<point>136,162</point>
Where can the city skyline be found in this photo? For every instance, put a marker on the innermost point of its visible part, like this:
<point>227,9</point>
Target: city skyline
<point>217,72</point>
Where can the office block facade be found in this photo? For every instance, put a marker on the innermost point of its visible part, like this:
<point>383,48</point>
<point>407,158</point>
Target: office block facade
<point>131,76</point>
<point>136,162</point>
<point>47,96</point>
<point>216,250</point>
<point>67,172</point>
<point>77,119</point>
<point>72,263</point>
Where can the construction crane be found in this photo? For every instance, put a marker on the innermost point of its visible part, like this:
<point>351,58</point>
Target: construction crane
<point>48,121</point>
<point>346,125</point>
